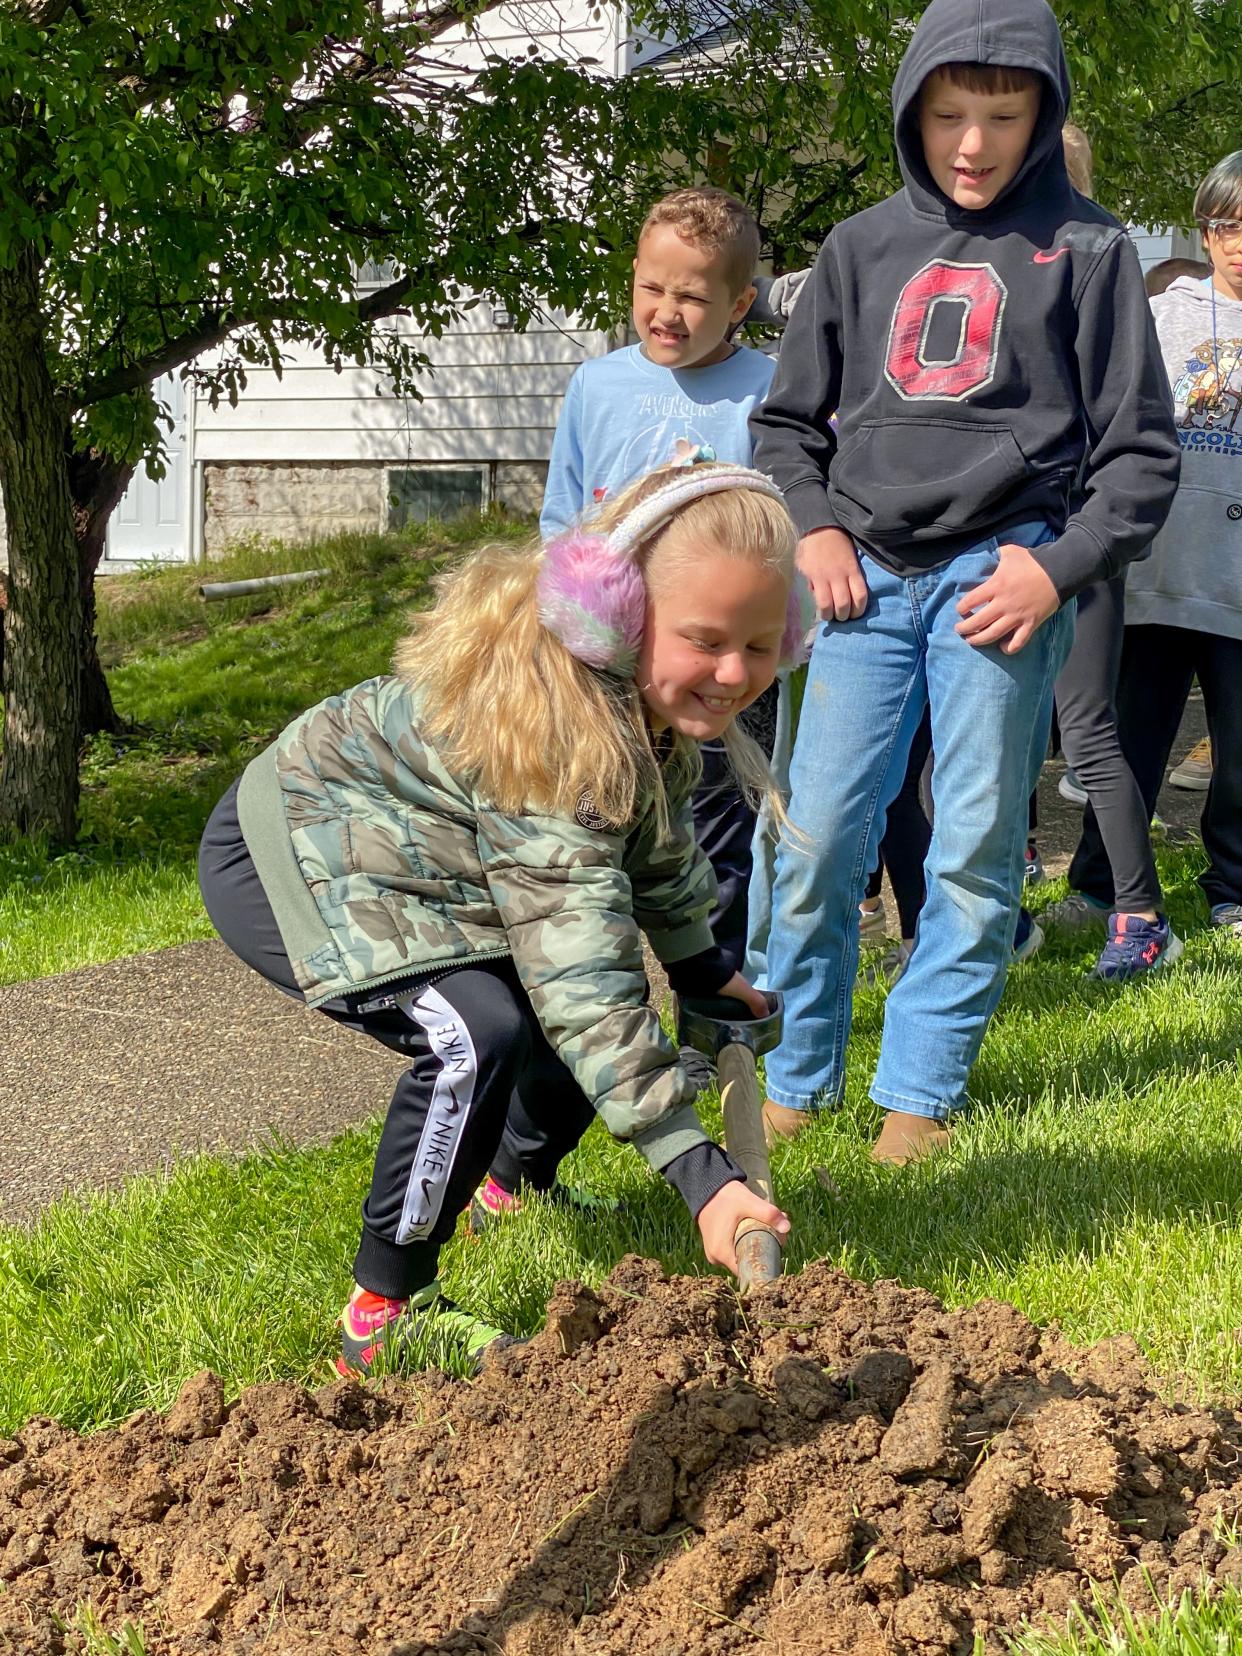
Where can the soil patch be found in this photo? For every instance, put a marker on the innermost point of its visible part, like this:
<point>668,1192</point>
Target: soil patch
<point>831,1468</point>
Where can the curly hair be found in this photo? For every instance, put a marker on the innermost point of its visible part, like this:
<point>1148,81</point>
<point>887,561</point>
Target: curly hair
<point>716,222</point>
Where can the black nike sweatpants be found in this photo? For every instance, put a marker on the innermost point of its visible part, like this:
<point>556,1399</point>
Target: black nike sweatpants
<point>476,1058</point>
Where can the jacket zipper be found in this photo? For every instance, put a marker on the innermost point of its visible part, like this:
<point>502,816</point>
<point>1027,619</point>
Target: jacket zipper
<point>385,1003</point>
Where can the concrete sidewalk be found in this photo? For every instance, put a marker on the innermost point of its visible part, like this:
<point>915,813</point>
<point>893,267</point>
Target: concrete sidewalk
<point>118,1069</point>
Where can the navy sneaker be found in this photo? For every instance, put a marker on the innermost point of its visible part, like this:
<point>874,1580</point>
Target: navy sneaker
<point>1027,939</point>
<point>1135,946</point>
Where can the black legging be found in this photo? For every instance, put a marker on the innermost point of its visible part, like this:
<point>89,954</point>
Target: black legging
<point>1086,707</point>
<point>907,834</point>
<point>1158,664</point>
<point>511,1101</point>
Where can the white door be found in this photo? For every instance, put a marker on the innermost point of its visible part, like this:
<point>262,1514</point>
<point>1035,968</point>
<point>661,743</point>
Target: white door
<point>152,520</point>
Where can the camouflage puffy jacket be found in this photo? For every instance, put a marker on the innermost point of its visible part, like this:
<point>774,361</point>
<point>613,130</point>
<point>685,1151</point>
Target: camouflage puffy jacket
<point>380,864</point>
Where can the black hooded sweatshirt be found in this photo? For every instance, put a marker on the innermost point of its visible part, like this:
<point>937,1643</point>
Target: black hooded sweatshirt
<point>988,368</point>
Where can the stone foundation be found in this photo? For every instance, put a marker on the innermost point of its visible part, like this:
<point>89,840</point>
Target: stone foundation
<point>290,502</point>
<point>296,502</point>
<point>517,485</point>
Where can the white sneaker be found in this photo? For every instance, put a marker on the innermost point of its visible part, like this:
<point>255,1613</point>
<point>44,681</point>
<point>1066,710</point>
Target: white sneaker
<point>890,966</point>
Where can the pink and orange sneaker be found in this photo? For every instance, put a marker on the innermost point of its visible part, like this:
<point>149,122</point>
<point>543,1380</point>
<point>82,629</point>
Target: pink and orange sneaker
<point>426,1330</point>
<point>492,1202</point>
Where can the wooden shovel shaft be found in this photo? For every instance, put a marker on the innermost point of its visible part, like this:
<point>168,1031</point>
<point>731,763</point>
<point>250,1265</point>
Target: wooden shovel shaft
<point>758,1248</point>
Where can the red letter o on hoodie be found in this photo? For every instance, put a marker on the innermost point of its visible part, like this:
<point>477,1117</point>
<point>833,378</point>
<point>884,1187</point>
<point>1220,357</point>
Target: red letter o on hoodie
<point>981,294</point>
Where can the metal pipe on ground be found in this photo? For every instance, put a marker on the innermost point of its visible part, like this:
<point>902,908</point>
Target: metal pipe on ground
<point>211,590</point>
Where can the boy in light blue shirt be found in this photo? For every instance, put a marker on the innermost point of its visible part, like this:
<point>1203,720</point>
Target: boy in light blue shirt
<point>685,391</point>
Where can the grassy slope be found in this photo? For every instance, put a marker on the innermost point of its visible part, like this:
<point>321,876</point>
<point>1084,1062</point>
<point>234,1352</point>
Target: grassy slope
<point>206,685</point>
<point>1099,1183</point>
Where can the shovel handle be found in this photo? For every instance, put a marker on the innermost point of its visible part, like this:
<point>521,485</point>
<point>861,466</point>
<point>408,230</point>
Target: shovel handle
<point>758,1258</point>
<point>758,1249</point>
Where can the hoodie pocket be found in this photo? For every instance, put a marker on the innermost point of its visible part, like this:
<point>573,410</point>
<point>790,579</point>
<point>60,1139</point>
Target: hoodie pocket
<point>897,478</point>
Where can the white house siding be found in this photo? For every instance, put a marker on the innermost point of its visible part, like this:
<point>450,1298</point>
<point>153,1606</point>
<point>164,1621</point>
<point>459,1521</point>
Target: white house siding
<point>566,29</point>
<point>311,451</point>
<point>1167,243</point>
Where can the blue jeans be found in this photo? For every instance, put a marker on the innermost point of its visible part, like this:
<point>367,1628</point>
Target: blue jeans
<point>868,684</point>
<point>763,846</point>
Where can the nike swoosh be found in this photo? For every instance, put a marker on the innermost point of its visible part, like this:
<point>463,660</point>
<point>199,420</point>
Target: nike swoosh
<point>1047,258</point>
<point>456,1106</point>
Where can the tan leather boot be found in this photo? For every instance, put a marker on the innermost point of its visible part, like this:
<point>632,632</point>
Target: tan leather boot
<point>906,1138</point>
<point>780,1122</point>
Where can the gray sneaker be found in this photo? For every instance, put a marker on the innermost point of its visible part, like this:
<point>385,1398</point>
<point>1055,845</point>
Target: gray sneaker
<point>891,965</point>
<point>873,924</point>
<point>1069,787</point>
<point>1228,917</point>
<point>1076,912</point>
<point>1195,770</point>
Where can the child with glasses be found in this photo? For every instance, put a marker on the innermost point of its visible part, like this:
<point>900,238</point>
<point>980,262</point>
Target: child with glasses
<point>1184,603</point>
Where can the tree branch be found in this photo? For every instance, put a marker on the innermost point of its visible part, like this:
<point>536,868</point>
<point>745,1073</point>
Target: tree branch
<point>214,329</point>
<point>46,14</point>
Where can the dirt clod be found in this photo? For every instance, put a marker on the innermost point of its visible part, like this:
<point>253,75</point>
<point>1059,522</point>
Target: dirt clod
<point>839,1468</point>
<point>199,1409</point>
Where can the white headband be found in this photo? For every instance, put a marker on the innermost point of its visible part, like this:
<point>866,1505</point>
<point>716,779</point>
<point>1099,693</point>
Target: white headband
<point>638,526</point>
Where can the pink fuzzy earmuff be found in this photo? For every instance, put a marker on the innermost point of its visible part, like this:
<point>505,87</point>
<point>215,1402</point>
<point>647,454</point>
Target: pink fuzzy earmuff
<point>591,591</point>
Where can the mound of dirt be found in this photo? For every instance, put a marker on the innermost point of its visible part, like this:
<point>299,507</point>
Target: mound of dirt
<point>832,1468</point>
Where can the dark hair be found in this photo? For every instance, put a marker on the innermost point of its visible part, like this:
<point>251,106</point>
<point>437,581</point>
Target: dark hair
<point>989,77</point>
<point>1162,275</point>
<point>1220,194</point>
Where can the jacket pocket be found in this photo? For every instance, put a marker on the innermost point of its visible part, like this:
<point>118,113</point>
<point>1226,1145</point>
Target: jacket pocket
<point>897,479</point>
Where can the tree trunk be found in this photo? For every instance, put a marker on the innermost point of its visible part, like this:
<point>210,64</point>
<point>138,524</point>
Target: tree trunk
<point>98,713</point>
<point>39,770</point>
<point>97,485</point>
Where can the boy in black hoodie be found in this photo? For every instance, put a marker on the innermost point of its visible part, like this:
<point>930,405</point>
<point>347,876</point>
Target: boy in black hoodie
<point>1004,438</point>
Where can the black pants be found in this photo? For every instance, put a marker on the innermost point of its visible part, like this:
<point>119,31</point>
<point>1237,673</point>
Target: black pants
<point>724,827</point>
<point>907,834</point>
<point>1158,664</point>
<point>1086,708</point>
<point>478,1059</point>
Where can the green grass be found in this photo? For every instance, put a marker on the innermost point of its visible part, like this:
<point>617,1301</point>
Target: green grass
<point>1197,1625</point>
<point>1097,1182</point>
<point>204,687</point>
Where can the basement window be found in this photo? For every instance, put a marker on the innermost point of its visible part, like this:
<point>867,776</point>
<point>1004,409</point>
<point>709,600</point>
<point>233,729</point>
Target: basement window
<point>426,493</point>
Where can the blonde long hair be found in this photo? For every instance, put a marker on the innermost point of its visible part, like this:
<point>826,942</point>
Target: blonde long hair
<point>534,728</point>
